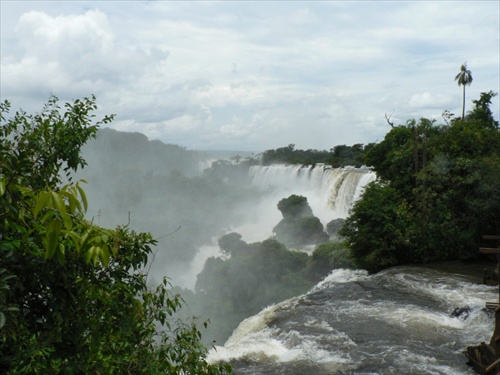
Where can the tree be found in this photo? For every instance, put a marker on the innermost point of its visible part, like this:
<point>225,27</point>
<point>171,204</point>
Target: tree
<point>299,226</point>
<point>239,286</point>
<point>464,78</point>
<point>327,257</point>
<point>294,206</point>
<point>435,195</point>
<point>232,243</point>
<point>73,295</point>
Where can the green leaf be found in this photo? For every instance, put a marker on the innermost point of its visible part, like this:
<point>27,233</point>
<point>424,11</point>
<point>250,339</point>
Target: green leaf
<point>61,256</point>
<point>2,186</point>
<point>71,196</point>
<point>58,203</point>
<point>52,238</point>
<point>3,319</point>
<point>76,240</point>
<point>42,200</point>
<point>104,255</point>
<point>82,195</point>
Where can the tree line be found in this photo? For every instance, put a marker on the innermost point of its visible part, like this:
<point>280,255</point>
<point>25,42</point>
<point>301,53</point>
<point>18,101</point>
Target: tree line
<point>336,157</point>
<point>436,193</point>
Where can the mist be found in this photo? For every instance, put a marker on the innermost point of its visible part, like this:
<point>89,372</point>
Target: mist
<point>189,199</point>
<point>165,190</point>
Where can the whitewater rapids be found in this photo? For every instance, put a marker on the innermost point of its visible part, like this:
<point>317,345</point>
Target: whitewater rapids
<point>395,322</point>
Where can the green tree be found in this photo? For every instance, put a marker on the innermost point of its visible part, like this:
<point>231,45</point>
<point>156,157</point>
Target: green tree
<point>377,229</point>
<point>294,206</point>
<point>235,288</point>
<point>73,295</point>
<point>299,226</point>
<point>232,243</point>
<point>327,257</point>
<point>463,78</point>
<point>435,196</point>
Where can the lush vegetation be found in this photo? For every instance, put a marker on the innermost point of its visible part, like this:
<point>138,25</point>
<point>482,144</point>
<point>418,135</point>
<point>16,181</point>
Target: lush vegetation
<point>299,226</point>
<point>252,276</point>
<point>437,192</point>
<point>73,295</point>
<point>162,189</point>
<point>338,156</point>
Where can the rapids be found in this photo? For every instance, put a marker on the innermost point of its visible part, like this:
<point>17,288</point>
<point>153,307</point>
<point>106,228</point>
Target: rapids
<point>395,322</point>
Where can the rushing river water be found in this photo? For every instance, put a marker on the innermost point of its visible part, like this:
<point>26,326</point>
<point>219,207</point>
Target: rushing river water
<point>395,322</point>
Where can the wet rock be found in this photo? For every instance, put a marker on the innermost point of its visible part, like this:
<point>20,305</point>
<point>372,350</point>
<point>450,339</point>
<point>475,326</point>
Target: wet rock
<point>461,312</point>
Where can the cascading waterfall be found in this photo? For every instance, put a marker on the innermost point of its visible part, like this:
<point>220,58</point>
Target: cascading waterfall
<point>399,321</point>
<point>331,192</point>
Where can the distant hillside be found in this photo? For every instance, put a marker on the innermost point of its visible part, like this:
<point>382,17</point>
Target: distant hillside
<point>163,189</point>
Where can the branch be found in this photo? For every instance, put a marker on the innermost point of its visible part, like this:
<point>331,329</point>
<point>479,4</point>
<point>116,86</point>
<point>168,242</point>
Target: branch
<point>388,119</point>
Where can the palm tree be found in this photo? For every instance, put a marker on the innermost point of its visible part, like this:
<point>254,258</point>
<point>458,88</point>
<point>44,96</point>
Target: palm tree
<point>463,78</point>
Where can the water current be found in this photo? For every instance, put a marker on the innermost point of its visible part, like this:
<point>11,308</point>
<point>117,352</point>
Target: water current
<point>398,321</point>
<point>330,191</point>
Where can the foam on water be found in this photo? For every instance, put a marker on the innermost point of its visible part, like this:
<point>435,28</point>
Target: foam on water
<point>397,321</point>
<point>275,346</point>
<point>340,275</point>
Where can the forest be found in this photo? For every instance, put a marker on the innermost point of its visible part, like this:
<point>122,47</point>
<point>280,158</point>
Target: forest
<point>77,297</point>
<point>437,192</point>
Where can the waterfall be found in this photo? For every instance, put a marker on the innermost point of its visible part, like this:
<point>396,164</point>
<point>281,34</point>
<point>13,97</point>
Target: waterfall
<point>330,192</point>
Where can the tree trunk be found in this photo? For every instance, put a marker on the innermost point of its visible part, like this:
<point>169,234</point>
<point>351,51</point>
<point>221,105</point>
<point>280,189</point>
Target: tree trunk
<point>463,103</point>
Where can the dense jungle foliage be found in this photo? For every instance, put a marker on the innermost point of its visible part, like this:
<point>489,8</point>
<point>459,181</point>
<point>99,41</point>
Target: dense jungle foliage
<point>338,156</point>
<point>299,226</point>
<point>73,295</point>
<point>436,194</point>
<point>252,276</point>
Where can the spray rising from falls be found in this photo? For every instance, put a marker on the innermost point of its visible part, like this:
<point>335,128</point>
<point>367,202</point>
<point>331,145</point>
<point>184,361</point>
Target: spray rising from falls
<point>331,192</point>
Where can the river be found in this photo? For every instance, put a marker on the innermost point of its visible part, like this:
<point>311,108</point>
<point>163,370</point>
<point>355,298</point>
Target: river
<point>398,321</point>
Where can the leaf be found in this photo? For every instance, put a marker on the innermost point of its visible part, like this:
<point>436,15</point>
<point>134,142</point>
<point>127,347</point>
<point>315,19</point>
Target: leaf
<point>104,255</point>
<point>3,319</point>
<point>73,202</point>
<point>61,256</point>
<point>52,238</point>
<point>58,203</point>
<point>89,254</point>
<point>82,195</point>
<point>76,240</point>
<point>41,202</point>
<point>2,186</point>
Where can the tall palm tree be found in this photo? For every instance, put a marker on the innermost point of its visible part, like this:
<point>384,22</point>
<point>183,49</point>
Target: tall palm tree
<point>463,78</point>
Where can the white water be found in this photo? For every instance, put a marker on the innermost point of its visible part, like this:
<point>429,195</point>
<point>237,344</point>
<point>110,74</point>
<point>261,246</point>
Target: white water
<point>330,192</point>
<point>394,322</point>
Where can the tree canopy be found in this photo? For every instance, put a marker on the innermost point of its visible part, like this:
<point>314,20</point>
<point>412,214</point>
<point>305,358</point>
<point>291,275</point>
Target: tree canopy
<point>338,156</point>
<point>436,194</point>
<point>73,296</point>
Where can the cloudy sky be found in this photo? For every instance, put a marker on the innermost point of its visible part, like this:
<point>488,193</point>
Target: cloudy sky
<point>251,75</point>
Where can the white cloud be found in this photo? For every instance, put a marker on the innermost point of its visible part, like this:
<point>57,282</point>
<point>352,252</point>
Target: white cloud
<point>428,100</point>
<point>251,75</point>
